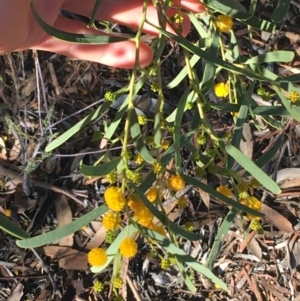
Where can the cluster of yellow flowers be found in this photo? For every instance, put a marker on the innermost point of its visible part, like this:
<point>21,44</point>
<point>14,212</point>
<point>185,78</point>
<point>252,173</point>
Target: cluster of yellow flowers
<point>111,221</point>
<point>116,202</point>
<point>254,203</point>
<point>244,198</point>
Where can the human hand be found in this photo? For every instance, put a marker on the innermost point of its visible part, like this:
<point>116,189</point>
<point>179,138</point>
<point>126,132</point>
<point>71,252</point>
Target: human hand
<point>19,30</point>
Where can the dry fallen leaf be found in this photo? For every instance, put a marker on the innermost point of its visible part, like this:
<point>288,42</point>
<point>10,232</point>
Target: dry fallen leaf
<point>287,174</point>
<point>290,184</point>
<point>204,195</point>
<point>3,151</point>
<point>246,144</point>
<point>68,258</point>
<point>64,217</point>
<point>15,151</point>
<point>255,248</point>
<point>277,219</point>
<point>97,233</point>
<point>17,293</point>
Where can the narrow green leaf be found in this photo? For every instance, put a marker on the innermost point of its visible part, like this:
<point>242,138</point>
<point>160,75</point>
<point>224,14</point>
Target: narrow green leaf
<point>64,231</point>
<point>177,129</point>
<point>222,232</point>
<point>271,57</point>
<point>238,129</point>
<point>101,170</point>
<point>258,110</point>
<point>288,105</point>
<point>181,255</point>
<point>209,72</point>
<point>75,37</point>
<point>115,123</point>
<point>253,169</point>
<point>237,11</point>
<point>267,156</point>
<point>281,11</point>
<point>113,249</point>
<point>291,79</point>
<point>95,12</point>
<point>12,228</point>
<point>138,139</point>
<point>207,56</point>
<point>76,128</point>
<point>185,276</point>
<point>202,30</point>
<point>220,196</point>
<point>183,73</point>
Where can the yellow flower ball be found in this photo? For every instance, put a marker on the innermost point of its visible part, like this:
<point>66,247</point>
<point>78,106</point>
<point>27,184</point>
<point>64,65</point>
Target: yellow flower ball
<point>144,221</point>
<point>128,247</point>
<point>221,90</point>
<point>135,205</point>
<point>111,221</point>
<point>224,23</point>
<point>225,191</point>
<point>152,194</point>
<point>8,213</point>
<point>294,96</point>
<point>176,183</point>
<point>114,198</point>
<point>143,212</point>
<point>97,257</point>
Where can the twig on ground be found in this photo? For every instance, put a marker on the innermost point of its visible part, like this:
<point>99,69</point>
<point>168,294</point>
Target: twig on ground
<point>18,179</point>
<point>45,267</point>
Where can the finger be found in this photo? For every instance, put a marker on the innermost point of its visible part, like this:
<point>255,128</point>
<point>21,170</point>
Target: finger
<point>120,55</point>
<point>14,27</point>
<point>126,12</point>
<point>48,12</point>
<point>191,5</point>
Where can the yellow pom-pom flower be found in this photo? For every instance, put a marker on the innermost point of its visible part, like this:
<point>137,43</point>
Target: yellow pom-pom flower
<point>8,213</point>
<point>152,194</point>
<point>143,216</point>
<point>135,204</point>
<point>225,191</point>
<point>128,247</point>
<point>224,23</point>
<point>111,221</point>
<point>176,183</point>
<point>114,198</point>
<point>221,89</point>
<point>97,257</point>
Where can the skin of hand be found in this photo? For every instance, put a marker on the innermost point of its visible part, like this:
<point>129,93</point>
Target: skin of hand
<point>19,30</point>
